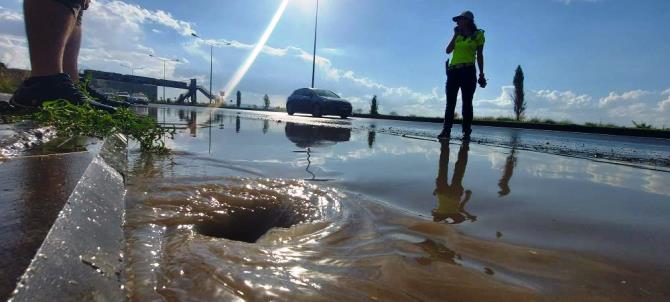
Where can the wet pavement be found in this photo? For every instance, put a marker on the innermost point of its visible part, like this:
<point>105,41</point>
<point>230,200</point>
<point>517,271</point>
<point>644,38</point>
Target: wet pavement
<point>35,184</point>
<point>516,214</point>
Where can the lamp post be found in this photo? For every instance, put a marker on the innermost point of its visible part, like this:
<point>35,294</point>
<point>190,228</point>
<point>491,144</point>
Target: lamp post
<point>164,73</point>
<point>132,73</point>
<point>316,24</point>
<point>211,62</point>
<point>132,69</point>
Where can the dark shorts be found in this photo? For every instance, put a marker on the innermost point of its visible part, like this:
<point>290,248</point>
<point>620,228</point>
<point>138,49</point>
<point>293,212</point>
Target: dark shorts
<point>77,7</point>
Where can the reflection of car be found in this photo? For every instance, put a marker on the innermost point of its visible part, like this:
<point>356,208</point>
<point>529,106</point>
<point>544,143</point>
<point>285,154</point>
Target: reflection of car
<point>318,102</point>
<point>305,136</point>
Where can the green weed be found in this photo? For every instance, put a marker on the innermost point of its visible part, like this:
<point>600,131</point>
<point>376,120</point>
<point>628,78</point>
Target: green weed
<point>83,120</point>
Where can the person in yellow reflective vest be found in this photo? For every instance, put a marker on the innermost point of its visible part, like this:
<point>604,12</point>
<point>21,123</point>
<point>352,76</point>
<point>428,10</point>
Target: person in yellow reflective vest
<point>466,47</point>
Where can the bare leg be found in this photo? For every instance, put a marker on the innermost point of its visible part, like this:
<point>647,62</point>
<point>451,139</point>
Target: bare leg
<point>71,54</point>
<point>48,26</point>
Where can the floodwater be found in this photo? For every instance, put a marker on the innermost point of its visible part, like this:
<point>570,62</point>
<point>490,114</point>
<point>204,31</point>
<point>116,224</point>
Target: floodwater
<point>263,206</point>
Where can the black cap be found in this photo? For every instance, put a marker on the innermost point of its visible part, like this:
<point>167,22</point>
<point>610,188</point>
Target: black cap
<point>465,15</point>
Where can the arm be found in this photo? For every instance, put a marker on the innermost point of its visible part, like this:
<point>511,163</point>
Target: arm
<point>452,45</point>
<point>480,60</point>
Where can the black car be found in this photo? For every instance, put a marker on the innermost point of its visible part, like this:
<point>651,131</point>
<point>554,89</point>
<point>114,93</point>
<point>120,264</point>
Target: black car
<point>317,102</point>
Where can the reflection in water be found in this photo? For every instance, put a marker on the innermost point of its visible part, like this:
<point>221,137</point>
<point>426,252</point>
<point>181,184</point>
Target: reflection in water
<point>308,136</point>
<point>191,122</point>
<point>305,136</point>
<point>237,124</point>
<point>510,164</point>
<point>370,251</point>
<point>450,197</point>
<point>371,138</point>
<point>266,126</point>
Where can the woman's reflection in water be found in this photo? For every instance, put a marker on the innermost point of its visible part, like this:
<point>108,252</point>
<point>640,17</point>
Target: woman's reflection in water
<point>452,198</point>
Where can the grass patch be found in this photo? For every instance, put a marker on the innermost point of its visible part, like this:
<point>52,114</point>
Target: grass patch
<point>82,120</point>
<point>6,86</point>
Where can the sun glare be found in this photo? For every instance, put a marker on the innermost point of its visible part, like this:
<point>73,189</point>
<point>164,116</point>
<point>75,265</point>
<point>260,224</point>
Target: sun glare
<point>244,68</point>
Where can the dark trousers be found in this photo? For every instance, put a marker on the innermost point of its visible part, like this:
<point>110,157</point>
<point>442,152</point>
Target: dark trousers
<point>465,79</point>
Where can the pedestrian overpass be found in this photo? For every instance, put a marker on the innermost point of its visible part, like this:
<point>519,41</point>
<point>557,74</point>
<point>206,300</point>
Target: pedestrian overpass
<point>191,88</point>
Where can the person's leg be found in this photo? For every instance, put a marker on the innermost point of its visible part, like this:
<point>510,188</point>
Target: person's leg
<point>71,54</point>
<point>468,87</point>
<point>49,25</point>
<point>452,98</point>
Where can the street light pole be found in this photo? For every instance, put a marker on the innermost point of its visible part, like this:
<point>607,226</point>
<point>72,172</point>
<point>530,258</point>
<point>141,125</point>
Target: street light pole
<point>211,64</point>
<point>132,73</point>
<point>211,72</point>
<point>316,24</point>
<point>164,69</point>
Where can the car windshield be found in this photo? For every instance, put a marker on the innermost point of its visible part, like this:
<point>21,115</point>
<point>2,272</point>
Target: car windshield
<point>326,93</point>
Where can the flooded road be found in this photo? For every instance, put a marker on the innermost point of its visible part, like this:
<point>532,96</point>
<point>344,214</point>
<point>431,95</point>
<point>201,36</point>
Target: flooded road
<point>377,210</point>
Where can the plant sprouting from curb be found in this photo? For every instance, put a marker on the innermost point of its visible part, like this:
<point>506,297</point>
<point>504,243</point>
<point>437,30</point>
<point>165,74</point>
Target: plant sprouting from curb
<point>83,120</point>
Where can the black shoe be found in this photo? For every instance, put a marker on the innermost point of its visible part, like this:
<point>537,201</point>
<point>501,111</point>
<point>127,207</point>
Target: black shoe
<point>104,99</point>
<point>34,91</point>
<point>444,135</point>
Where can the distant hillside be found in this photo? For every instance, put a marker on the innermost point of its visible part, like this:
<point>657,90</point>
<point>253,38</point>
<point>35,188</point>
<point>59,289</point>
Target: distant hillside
<point>11,78</point>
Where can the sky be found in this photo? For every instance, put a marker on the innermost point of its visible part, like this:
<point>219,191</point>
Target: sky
<point>584,60</point>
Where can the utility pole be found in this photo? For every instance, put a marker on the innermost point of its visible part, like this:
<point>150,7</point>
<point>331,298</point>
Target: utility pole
<point>316,26</point>
<point>211,64</point>
<point>164,69</point>
<point>132,73</point>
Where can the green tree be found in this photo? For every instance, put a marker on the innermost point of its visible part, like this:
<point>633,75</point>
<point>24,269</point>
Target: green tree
<point>239,99</point>
<point>374,107</point>
<point>266,101</point>
<point>519,96</point>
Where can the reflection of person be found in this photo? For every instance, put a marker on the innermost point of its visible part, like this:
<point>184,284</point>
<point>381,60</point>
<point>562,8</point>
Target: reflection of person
<point>510,163</point>
<point>452,198</point>
<point>54,34</point>
<point>467,46</point>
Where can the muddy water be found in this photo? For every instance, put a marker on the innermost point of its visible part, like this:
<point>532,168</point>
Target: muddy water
<point>275,209</point>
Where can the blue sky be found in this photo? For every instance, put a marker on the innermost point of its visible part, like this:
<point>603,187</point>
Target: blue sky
<point>585,60</point>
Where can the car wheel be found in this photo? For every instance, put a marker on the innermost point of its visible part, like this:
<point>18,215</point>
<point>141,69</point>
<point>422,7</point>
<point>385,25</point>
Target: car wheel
<point>344,116</point>
<point>316,111</point>
<point>289,110</point>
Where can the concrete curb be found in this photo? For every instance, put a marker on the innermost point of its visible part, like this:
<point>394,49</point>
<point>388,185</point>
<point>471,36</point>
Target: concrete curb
<point>81,257</point>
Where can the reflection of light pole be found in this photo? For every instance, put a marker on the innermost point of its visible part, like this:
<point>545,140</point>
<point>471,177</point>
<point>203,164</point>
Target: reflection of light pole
<point>164,60</point>
<point>211,63</point>
<point>132,73</point>
<point>316,24</point>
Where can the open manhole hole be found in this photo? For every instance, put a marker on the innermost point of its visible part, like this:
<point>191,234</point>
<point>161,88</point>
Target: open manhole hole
<point>245,210</point>
<point>249,225</point>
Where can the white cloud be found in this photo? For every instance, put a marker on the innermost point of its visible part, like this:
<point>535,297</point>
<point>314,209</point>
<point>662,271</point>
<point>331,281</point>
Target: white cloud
<point>10,15</point>
<point>629,96</point>
<point>664,106</point>
<point>14,51</point>
<point>133,15</point>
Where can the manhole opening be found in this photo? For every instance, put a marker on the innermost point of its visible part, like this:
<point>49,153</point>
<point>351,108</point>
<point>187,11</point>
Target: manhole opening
<point>247,225</point>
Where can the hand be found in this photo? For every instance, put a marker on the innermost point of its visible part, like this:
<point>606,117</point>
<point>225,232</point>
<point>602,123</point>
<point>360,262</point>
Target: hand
<point>482,81</point>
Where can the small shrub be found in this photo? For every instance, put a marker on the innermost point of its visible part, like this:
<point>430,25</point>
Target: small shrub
<point>642,125</point>
<point>83,120</point>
